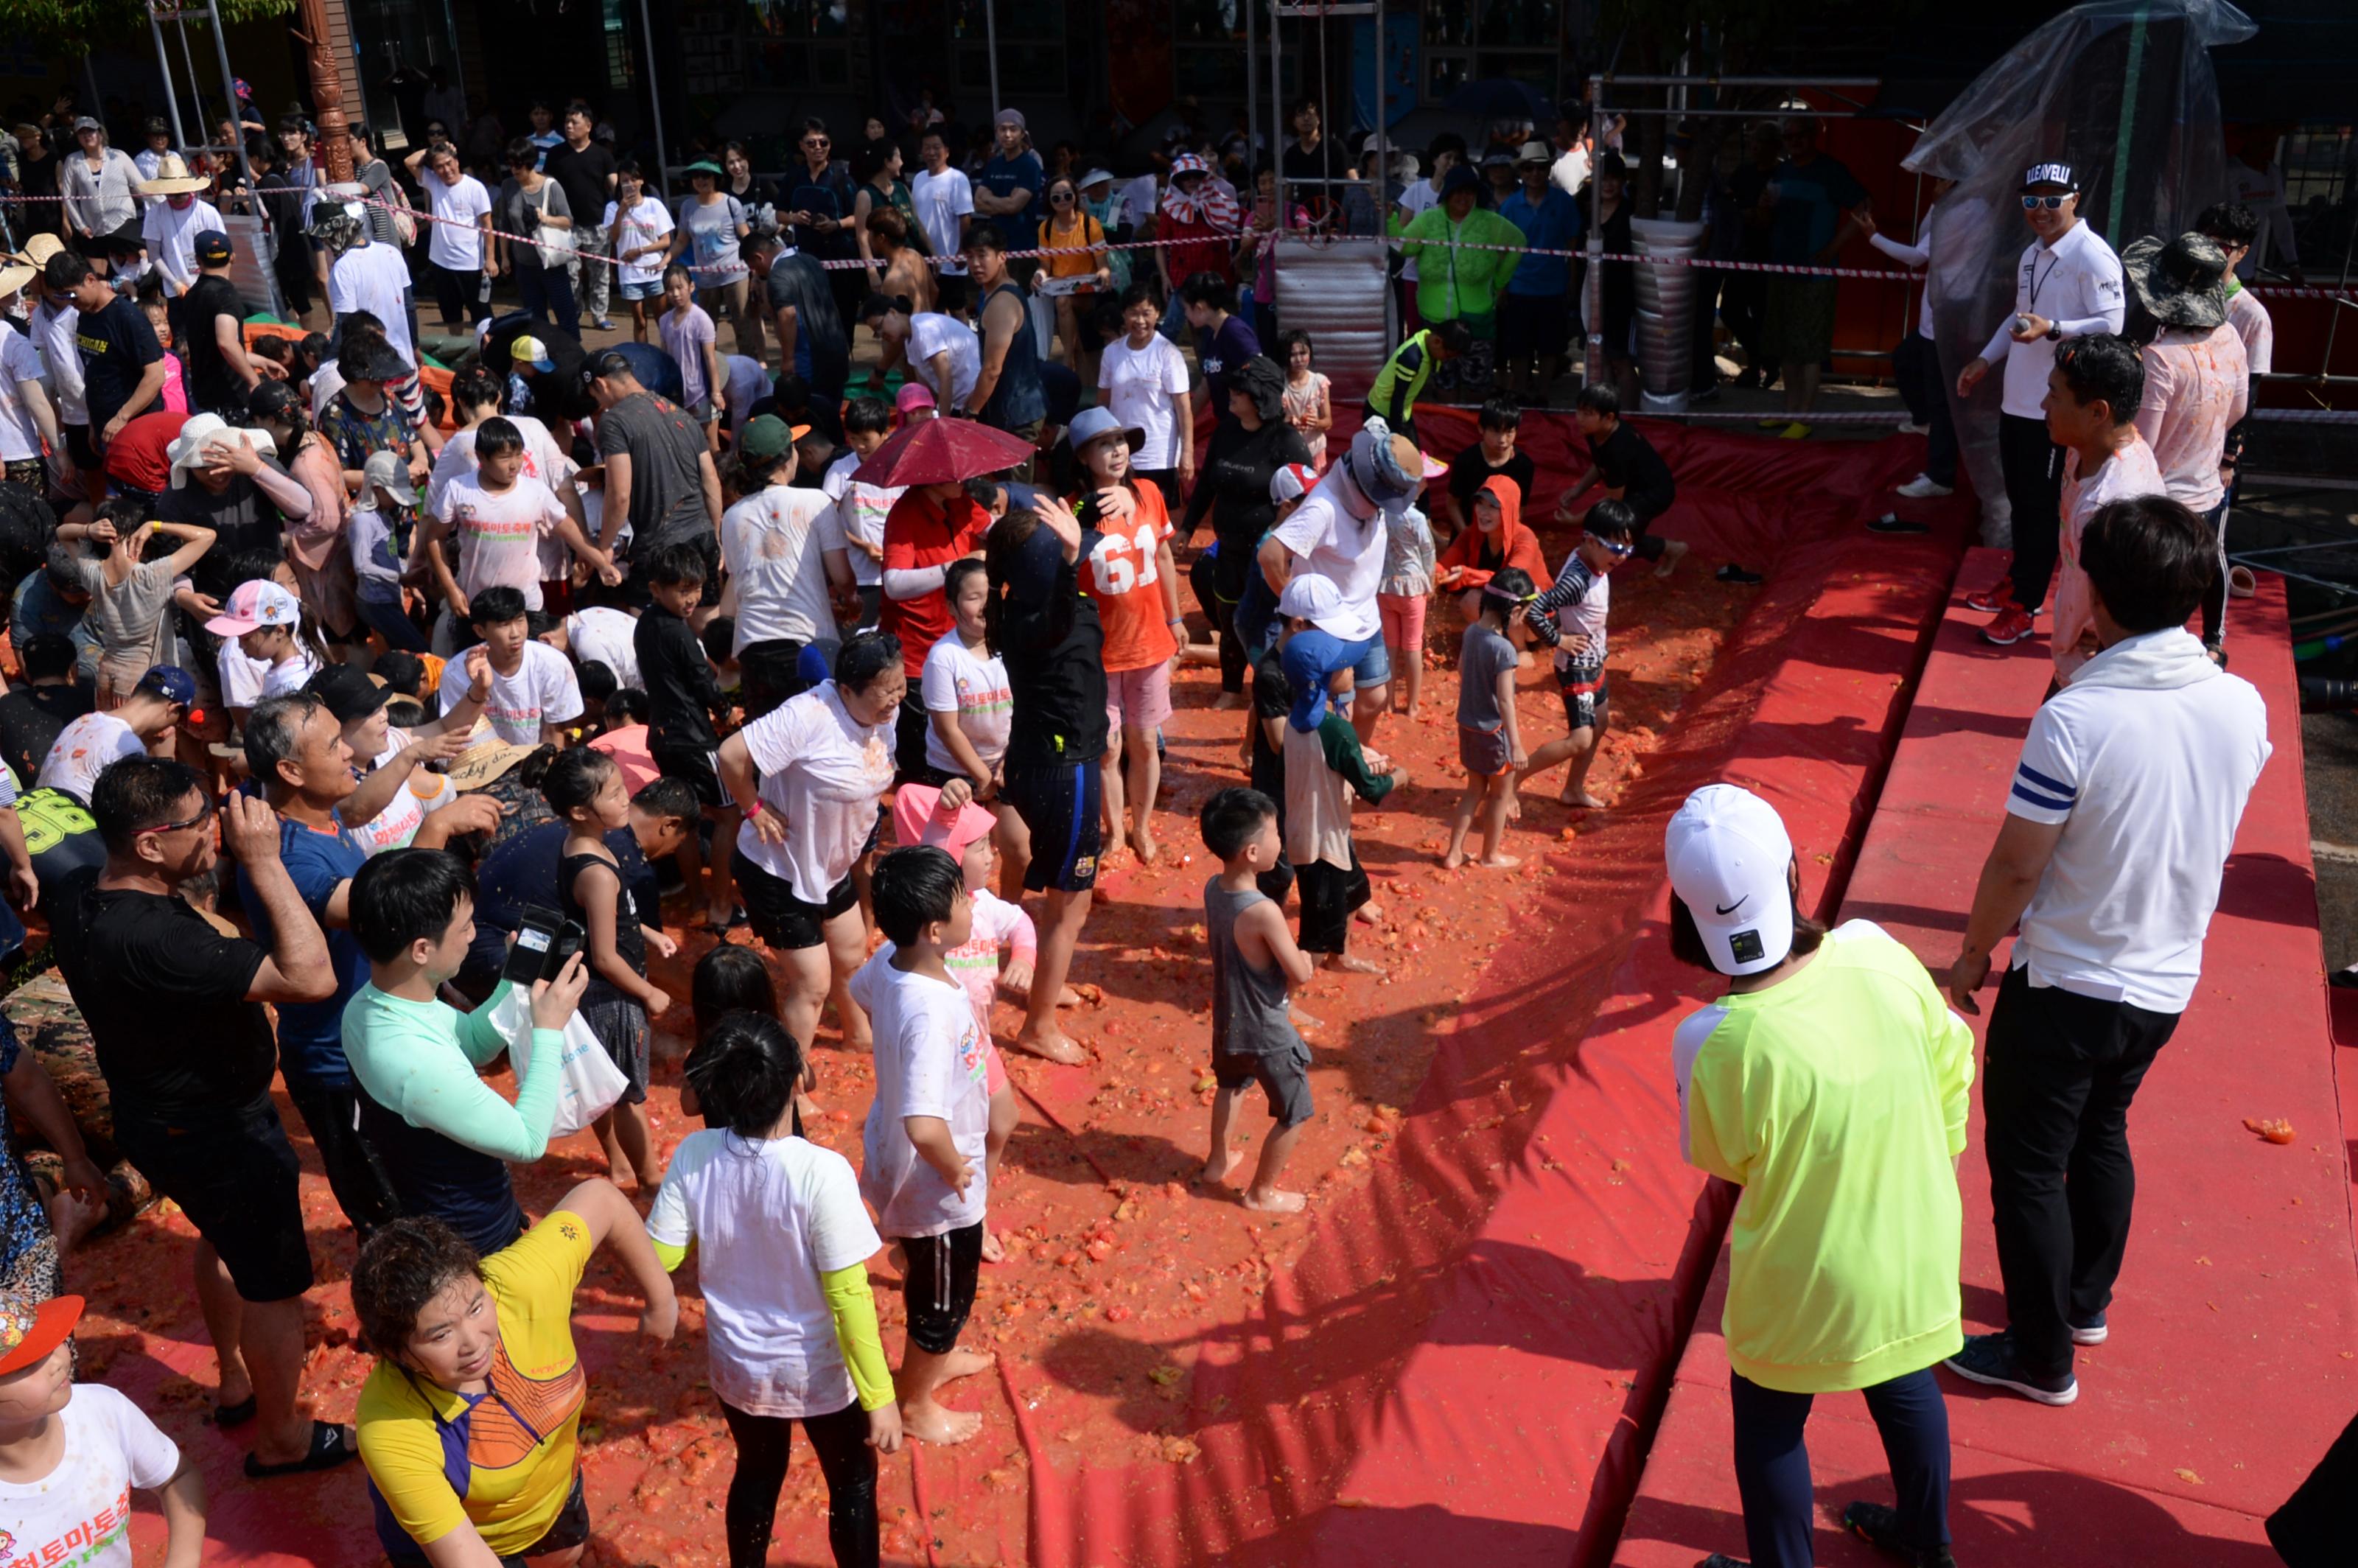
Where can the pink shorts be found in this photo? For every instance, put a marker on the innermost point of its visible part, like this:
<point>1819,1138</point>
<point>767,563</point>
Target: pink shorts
<point>994,1068</point>
<point>1403,618</point>
<point>1139,698</point>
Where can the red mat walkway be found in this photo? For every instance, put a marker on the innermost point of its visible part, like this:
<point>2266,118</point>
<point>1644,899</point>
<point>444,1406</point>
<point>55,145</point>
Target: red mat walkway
<point>2230,1368</point>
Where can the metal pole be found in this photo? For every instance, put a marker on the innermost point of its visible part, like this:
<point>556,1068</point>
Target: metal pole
<point>195,89</point>
<point>991,35</point>
<point>228,85</point>
<point>655,106</point>
<point>1252,85</point>
<point>164,64</point>
<point>1620,81</point>
<point>1277,108</point>
<point>1591,293</point>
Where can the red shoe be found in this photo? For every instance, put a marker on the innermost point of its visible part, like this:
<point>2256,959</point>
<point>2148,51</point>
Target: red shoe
<point>2011,626</point>
<point>1992,600</point>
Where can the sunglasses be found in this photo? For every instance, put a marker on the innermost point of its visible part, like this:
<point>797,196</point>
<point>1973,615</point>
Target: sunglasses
<point>1618,552</point>
<point>2053,203</point>
<point>817,142</point>
<point>1061,199</point>
<point>203,816</point>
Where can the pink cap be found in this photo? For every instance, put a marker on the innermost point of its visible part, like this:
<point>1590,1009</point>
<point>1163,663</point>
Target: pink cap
<point>914,395</point>
<point>255,605</point>
<point>917,819</point>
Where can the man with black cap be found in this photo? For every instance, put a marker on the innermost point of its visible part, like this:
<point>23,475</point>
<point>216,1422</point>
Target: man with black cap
<point>2067,286</point>
<point>208,330</point>
<point>2197,388</point>
<point>659,471</point>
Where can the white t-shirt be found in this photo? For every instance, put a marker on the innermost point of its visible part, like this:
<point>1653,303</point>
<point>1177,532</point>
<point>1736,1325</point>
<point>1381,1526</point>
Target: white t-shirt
<point>397,824</point>
<point>1342,548</point>
<point>20,362</point>
<point>81,1512</point>
<point>2077,284</point>
<point>931,1060</point>
<point>645,224</point>
<point>499,532</point>
<point>56,327</point>
<point>1138,384</point>
<point>941,199</point>
<point>325,383</point>
<point>860,512</point>
<point>823,772</point>
<point>456,244</point>
<point>601,635</point>
<point>973,686</point>
<point>2197,385</point>
<point>2256,328</point>
<point>929,334</point>
<point>369,536</point>
<point>544,459</point>
<point>773,543</point>
<point>541,691</point>
<point>83,750</point>
<point>2150,731</point>
<point>171,236</point>
<point>240,677</point>
<point>1415,198</point>
<point>287,677</point>
<point>2128,471</point>
<point>768,1216</point>
<point>372,277</point>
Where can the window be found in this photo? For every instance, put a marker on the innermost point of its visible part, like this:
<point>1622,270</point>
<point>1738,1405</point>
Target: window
<point>620,56</point>
<point>1521,39</point>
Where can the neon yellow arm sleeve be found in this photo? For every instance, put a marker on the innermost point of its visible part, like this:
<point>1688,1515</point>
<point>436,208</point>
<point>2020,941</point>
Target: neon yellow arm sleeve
<point>853,1307</point>
<point>669,1256</point>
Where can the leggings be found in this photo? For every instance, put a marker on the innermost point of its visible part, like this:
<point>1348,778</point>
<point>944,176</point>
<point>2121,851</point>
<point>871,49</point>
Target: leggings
<point>1772,1464</point>
<point>2033,468</point>
<point>2214,602</point>
<point>763,1445</point>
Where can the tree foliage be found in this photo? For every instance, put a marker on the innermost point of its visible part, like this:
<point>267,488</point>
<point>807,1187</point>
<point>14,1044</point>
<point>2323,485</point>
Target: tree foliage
<point>77,27</point>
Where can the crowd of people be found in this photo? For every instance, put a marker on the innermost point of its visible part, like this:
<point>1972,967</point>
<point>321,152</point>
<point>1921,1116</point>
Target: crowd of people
<point>363,693</point>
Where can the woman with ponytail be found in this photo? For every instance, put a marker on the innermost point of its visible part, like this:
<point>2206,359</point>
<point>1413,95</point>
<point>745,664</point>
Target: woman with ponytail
<point>789,1318</point>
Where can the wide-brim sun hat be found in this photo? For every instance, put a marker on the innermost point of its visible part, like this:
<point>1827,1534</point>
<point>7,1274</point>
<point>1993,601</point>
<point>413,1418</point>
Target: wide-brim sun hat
<point>1093,422</point>
<point>2182,282</point>
<point>172,178</point>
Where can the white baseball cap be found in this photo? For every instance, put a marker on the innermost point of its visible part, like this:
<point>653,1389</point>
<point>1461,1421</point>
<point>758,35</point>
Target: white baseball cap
<point>1728,855</point>
<point>1309,597</point>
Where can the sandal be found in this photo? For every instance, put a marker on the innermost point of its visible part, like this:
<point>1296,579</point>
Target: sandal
<point>2240,583</point>
<point>237,1414</point>
<point>328,1449</point>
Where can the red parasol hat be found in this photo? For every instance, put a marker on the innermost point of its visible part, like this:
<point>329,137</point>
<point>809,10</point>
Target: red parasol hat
<point>943,451</point>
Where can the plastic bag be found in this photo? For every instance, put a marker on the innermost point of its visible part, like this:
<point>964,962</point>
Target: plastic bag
<point>587,1081</point>
<point>2121,90</point>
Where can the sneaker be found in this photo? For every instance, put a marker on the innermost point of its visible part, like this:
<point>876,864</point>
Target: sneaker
<point>1989,1358</point>
<point>1774,422</point>
<point>2010,626</point>
<point>1990,601</point>
<point>1911,428</point>
<point>1892,522</point>
<point>1736,574</point>
<point>1924,487</point>
<point>1879,1527</point>
<point>1796,431</point>
<point>2092,1331</point>
<point>602,324</point>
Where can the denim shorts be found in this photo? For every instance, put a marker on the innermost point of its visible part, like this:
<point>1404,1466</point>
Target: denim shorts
<point>642,290</point>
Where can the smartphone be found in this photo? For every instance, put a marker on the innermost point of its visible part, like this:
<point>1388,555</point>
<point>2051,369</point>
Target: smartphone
<point>544,941</point>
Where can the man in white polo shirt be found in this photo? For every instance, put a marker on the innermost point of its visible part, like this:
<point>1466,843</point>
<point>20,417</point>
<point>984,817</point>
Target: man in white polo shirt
<point>2118,827</point>
<point>2068,286</point>
<point>1338,532</point>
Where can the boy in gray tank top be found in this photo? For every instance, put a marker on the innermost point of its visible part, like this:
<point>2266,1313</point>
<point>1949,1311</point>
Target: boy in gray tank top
<point>1254,963</point>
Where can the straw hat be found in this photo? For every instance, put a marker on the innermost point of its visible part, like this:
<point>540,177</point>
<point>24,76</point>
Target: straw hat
<point>14,276</point>
<point>41,248</point>
<point>486,763</point>
<point>172,178</point>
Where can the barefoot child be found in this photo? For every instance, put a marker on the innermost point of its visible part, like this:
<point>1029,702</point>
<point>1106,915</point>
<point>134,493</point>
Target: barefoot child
<point>921,1158</point>
<point>71,1453</point>
<point>1489,740</point>
<point>1325,765</point>
<point>1254,961</point>
<point>789,1318</point>
<point>967,703</point>
<point>728,979</point>
<point>1581,593</point>
<point>922,816</point>
<point>585,788</point>
<point>1131,576</point>
<point>1401,597</point>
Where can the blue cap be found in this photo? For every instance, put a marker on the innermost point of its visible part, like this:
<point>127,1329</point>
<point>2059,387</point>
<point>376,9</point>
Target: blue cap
<point>169,682</point>
<point>810,665</point>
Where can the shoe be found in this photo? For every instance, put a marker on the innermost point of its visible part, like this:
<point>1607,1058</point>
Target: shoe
<point>1989,1358</point>
<point>1911,428</point>
<point>1796,431</point>
<point>1892,522</point>
<point>1736,574</point>
<point>1879,1527</point>
<point>1924,487</point>
<point>1990,601</point>
<point>602,324</point>
<point>2010,626</point>
<point>1774,422</point>
<point>2092,1331</point>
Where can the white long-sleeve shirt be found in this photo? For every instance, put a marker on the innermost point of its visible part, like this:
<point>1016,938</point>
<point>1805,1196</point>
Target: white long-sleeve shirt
<point>171,235</point>
<point>1914,256</point>
<point>2076,284</point>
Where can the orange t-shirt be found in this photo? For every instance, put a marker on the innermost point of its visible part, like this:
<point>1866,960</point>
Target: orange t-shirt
<point>1125,578</point>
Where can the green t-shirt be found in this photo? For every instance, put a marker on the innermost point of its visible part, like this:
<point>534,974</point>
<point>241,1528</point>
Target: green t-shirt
<point>1836,1098</point>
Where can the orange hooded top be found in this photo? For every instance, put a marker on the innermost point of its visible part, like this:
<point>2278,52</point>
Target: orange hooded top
<point>1474,556</point>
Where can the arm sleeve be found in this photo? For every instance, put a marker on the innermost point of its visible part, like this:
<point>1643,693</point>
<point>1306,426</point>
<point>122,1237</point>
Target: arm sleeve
<point>2001,342</point>
<point>2047,780</point>
<point>912,582</point>
<point>441,1091</point>
<point>2112,303</point>
<point>1344,757</point>
<point>1952,1064</point>
<point>1022,938</point>
<point>668,1224</point>
<point>853,1306</point>
<point>1705,1110</point>
<point>1906,256</point>
<point>1570,588</point>
<point>2154,405</point>
<point>152,1458</point>
<point>1406,364</point>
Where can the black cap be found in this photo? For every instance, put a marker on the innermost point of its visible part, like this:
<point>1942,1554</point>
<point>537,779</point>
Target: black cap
<point>213,248</point>
<point>348,694</point>
<point>611,362</point>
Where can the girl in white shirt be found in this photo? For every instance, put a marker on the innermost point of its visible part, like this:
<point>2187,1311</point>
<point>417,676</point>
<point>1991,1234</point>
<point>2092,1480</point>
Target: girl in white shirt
<point>964,688</point>
<point>640,232</point>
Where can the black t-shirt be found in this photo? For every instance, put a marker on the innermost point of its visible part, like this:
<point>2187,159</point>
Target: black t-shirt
<point>116,344</point>
<point>1053,647</point>
<point>1627,463</point>
<point>30,720</point>
<point>584,176</point>
<point>1469,471</point>
<point>243,517</point>
<point>1272,698</point>
<point>1234,485</point>
<point>682,692</point>
<point>212,383</point>
<point>133,959</point>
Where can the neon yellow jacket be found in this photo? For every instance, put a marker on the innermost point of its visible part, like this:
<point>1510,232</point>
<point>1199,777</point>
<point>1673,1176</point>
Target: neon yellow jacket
<point>1452,282</point>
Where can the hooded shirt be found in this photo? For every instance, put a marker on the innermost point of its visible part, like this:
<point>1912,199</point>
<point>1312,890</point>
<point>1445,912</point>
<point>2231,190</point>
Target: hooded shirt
<point>1475,556</point>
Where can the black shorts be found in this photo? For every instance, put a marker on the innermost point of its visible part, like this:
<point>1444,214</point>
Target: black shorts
<point>694,766</point>
<point>950,291</point>
<point>777,916</point>
<point>909,733</point>
<point>1285,1079</point>
<point>236,1178</point>
<point>939,1285</point>
<point>568,1530</point>
<point>1585,695</point>
<point>1534,324</point>
<point>768,675</point>
<point>1329,894</point>
<point>85,456</point>
<point>1059,806</point>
